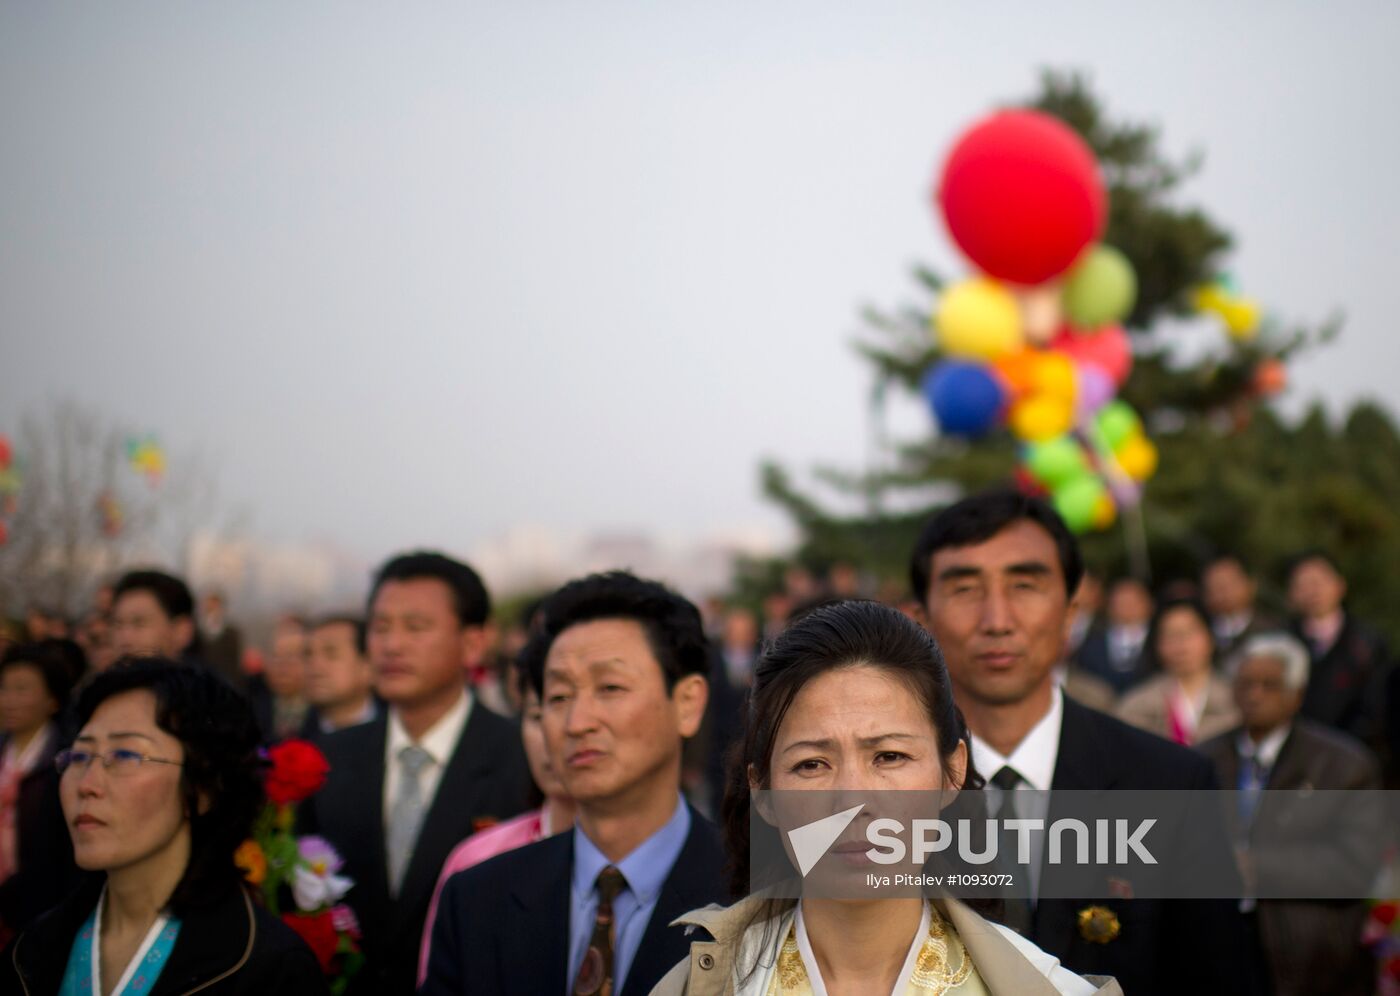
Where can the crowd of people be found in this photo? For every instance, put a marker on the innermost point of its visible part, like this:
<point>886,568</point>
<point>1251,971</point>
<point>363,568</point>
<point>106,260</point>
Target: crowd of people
<point>568,808</point>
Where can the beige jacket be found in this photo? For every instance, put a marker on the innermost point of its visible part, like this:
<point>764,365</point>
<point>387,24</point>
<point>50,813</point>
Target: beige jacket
<point>709,971</point>
<point>1146,708</point>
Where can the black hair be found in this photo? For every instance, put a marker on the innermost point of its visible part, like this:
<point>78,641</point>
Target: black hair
<point>172,593</point>
<point>1314,553</point>
<point>978,518</point>
<point>356,624</point>
<point>222,769</point>
<point>1192,605</point>
<point>839,635</point>
<point>1228,558</point>
<point>469,598</point>
<point>54,661</point>
<point>671,623</point>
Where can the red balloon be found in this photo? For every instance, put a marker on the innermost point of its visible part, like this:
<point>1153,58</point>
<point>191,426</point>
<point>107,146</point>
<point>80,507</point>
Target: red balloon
<point>1108,349</point>
<point>1022,196</point>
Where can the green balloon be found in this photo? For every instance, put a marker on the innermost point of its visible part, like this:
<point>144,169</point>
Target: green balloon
<point>1077,501</point>
<point>1055,461</point>
<point>1101,289</point>
<point>1117,423</point>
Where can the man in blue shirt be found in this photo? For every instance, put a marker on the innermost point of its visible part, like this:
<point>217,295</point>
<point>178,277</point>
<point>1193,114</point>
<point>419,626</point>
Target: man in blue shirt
<point>621,665</point>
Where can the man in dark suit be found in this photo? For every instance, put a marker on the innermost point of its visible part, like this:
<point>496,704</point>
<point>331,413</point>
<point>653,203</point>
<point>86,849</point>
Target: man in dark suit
<point>1351,667</point>
<point>994,574</point>
<point>621,666</point>
<point>339,679</point>
<point>1229,591</point>
<point>407,788</point>
<point>1309,946</point>
<point>1116,652</point>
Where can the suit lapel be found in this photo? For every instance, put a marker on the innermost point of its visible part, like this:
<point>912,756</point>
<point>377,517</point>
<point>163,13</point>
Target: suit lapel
<point>690,884</point>
<point>449,818</point>
<point>359,815</point>
<point>538,955</point>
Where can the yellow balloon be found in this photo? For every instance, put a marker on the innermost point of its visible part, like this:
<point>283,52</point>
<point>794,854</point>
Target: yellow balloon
<point>1041,416</point>
<point>1053,375</point>
<point>1105,512</point>
<point>978,319</point>
<point>1242,318</point>
<point>1138,457</point>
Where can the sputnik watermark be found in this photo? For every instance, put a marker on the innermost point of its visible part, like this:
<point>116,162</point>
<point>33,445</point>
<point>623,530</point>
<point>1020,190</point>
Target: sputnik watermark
<point>1111,841</point>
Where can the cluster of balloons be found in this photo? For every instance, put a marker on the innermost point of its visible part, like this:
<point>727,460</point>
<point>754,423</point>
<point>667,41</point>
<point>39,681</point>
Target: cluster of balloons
<point>1034,341</point>
<point>146,457</point>
<point>10,481</point>
<point>109,514</point>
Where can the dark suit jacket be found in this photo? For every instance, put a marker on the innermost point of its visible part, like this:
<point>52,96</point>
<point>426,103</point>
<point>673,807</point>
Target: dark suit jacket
<point>228,946</point>
<point>1348,684</point>
<point>1094,657</point>
<point>485,779</point>
<point>46,872</point>
<point>1164,946</point>
<point>503,926</point>
<point>1311,946</point>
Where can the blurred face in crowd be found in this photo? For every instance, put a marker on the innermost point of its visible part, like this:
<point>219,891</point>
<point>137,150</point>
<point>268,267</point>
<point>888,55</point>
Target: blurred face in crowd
<point>1089,598</point>
<point>536,751</point>
<point>740,630</point>
<point>1129,603</point>
<point>418,648</point>
<point>1184,643</point>
<point>1315,590</point>
<point>613,731</point>
<point>336,672</point>
<point>999,611</point>
<point>132,814</point>
<point>140,626</point>
<point>1226,588</point>
<point>95,637</point>
<point>25,702</point>
<point>285,671</point>
<point>1263,696</point>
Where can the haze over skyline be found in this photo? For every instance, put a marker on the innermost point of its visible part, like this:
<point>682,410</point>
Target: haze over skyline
<point>421,276</point>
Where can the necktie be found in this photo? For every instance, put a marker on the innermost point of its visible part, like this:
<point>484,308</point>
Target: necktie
<point>406,818</point>
<point>595,975</point>
<point>1016,913</point>
<point>1253,775</point>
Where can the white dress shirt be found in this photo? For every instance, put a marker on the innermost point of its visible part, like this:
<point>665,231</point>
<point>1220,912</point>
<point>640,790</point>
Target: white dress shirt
<point>1034,760</point>
<point>440,742</point>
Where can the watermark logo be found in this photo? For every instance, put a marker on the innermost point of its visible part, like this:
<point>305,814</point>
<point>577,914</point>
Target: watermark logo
<point>811,841</point>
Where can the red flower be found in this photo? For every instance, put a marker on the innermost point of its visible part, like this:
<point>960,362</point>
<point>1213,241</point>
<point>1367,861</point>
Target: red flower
<point>1385,912</point>
<point>319,934</point>
<point>298,770</point>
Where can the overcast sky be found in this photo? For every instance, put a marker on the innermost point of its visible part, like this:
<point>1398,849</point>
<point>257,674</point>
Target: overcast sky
<point>416,273</point>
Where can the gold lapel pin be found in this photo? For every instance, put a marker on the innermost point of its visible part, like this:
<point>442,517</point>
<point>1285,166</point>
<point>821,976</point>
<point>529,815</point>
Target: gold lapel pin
<point>1098,924</point>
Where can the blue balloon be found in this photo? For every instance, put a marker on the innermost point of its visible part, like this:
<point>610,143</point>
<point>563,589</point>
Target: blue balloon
<point>965,397</point>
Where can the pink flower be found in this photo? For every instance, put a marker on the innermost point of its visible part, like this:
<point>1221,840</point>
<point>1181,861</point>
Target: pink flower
<point>320,855</point>
<point>344,921</point>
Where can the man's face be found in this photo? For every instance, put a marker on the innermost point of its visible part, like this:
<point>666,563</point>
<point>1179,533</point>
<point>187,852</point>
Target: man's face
<point>1226,588</point>
<point>998,609</point>
<point>1265,701</point>
<point>286,666</point>
<point>336,672</point>
<point>1129,603</point>
<point>614,733</point>
<point>418,648</point>
<point>1315,589</point>
<point>140,626</point>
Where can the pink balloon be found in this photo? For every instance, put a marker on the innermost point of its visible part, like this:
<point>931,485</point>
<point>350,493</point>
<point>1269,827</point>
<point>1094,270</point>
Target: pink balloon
<point>1108,349</point>
<point>1096,387</point>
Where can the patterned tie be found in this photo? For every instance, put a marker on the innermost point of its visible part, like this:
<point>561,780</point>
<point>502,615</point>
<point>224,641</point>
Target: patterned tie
<point>1016,912</point>
<point>595,975</point>
<point>406,819</point>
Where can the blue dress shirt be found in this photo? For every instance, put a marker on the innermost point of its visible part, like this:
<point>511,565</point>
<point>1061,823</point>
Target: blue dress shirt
<point>645,870</point>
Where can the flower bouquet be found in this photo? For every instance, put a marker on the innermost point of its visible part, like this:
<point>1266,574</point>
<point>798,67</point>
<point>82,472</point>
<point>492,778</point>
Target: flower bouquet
<point>302,869</point>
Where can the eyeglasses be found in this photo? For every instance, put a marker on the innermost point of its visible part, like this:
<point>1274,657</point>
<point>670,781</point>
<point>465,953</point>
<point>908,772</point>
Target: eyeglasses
<point>119,760</point>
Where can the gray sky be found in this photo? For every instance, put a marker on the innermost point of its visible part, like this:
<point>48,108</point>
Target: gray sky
<point>417,273</point>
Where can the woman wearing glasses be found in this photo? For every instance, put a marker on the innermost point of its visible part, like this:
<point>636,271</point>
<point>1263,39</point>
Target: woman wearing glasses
<point>160,787</point>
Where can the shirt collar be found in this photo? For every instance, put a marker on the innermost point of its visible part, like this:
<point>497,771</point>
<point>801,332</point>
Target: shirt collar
<point>1266,752</point>
<point>645,869</point>
<point>1034,757</point>
<point>441,739</point>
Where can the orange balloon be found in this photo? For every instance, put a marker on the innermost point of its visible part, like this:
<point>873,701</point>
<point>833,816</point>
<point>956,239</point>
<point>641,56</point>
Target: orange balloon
<point>1017,371</point>
<point>1105,512</point>
<point>1138,457</point>
<point>1270,377</point>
